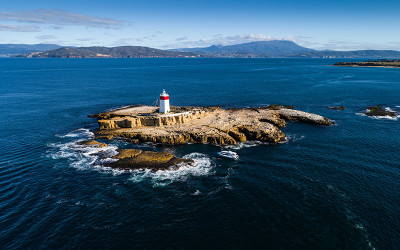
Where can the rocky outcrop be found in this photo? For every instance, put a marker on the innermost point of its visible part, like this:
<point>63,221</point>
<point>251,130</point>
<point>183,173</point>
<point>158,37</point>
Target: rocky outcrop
<point>157,121</point>
<point>129,159</point>
<point>297,115</point>
<point>372,63</point>
<point>339,108</point>
<point>201,125</point>
<point>93,143</point>
<point>379,111</point>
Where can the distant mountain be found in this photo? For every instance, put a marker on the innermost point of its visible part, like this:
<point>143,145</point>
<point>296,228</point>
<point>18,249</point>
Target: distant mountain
<point>262,49</point>
<point>280,48</point>
<point>105,52</point>
<point>15,49</point>
<point>276,48</point>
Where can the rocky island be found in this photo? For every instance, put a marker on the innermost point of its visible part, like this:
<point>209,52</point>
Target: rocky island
<point>378,110</point>
<point>183,125</point>
<point>395,63</point>
<point>201,124</point>
<point>128,159</point>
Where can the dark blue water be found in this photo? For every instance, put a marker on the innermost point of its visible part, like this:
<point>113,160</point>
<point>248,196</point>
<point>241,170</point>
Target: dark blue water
<point>332,187</point>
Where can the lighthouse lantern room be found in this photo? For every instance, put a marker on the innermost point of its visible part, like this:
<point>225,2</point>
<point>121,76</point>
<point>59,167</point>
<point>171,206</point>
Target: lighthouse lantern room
<point>164,102</point>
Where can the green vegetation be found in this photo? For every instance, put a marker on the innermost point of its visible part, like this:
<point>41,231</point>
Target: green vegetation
<point>379,111</point>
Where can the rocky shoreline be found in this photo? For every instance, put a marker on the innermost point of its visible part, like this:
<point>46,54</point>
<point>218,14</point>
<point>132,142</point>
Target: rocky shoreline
<point>371,63</point>
<point>201,124</point>
<point>191,125</point>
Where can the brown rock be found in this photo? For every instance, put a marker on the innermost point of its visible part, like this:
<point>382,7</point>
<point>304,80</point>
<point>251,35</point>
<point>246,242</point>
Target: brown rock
<point>137,159</point>
<point>201,125</point>
<point>124,153</point>
<point>379,111</point>
<point>93,143</point>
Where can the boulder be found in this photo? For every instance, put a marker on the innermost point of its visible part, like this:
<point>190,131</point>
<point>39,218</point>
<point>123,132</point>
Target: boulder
<point>93,143</point>
<point>379,111</point>
<point>129,159</point>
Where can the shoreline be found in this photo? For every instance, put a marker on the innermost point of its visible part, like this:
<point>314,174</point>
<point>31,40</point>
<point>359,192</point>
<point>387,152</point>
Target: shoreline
<point>380,63</point>
<point>201,124</point>
<point>366,66</point>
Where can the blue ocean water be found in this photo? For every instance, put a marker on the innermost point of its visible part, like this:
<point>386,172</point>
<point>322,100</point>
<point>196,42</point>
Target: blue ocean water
<point>334,187</point>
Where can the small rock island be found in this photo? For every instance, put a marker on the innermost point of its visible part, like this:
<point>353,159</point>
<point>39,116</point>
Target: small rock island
<point>378,110</point>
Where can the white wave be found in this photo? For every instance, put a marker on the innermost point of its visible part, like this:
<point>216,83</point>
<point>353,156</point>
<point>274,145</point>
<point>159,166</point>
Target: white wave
<point>390,110</point>
<point>397,106</point>
<point>202,166</point>
<point>81,133</point>
<point>361,228</point>
<point>82,156</point>
<point>197,192</point>
<point>240,145</point>
<point>294,137</point>
<point>85,157</point>
<point>386,117</point>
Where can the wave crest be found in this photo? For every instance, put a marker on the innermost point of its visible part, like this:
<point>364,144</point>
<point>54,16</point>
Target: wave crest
<point>202,166</point>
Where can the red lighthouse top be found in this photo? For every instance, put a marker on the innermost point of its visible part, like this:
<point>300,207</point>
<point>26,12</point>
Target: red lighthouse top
<point>164,95</point>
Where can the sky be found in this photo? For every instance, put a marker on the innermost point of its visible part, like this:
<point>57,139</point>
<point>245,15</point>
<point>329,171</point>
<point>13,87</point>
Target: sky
<point>166,24</point>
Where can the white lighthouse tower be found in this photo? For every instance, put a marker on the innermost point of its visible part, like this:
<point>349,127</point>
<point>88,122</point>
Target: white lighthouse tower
<point>164,102</point>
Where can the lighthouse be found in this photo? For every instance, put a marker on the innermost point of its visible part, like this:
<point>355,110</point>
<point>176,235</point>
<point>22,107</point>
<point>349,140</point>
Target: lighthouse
<point>164,102</point>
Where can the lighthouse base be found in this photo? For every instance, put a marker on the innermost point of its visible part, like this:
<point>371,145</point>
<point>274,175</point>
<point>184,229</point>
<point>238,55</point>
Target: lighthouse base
<point>164,106</point>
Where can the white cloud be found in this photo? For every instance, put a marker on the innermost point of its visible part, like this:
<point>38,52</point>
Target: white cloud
<point>46,37</point>
<point>184,38</point>
<point>87,39</point>
<point>59,17</point>
<point>123,42</point>
<point>224,40</point>
<point>341,45</point>
<point>19,28</point>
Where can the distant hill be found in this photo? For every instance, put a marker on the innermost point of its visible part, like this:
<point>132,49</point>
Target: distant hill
<point>262,49</point>
<point>105,52</point>
<point>15,49</point>
<point>280,48</point>
<point>276,48</point>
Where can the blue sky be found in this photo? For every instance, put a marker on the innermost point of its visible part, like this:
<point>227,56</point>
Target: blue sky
<point>318,24</point>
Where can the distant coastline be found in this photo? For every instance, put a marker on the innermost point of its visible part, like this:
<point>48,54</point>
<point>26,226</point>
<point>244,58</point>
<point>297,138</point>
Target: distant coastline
<point>261,49</point>
<point>381,63</point>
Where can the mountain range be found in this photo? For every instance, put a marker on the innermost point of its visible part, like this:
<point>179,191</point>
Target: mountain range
<point>15,49</point>
<point>281,48</point>
<point>275,48</point>
<point>261,49</point>
<point>105,52</point>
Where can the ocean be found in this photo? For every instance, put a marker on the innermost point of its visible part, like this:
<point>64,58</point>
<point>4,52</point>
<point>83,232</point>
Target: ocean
<point>335,187</point>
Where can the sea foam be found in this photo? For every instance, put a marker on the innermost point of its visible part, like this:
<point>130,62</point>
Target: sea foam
<point>80,156</point>
<point>202,166</point>
<point>83,157</point>
<point>386,117</point>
